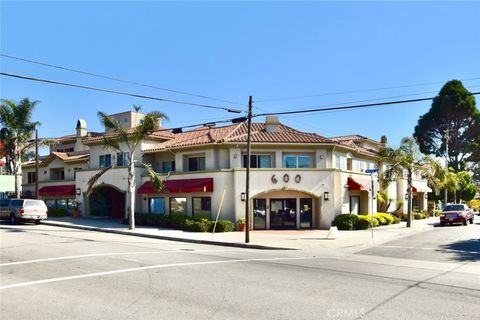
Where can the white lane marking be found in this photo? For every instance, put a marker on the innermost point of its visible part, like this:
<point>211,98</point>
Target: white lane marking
<point>430,249</point>
<point>107,254</point>
<point>158,266</point>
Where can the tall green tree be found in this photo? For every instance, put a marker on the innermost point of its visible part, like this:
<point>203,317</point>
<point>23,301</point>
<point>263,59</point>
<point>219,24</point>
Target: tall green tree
<point>402,163</point>
<point>453,117</point>
<point>17,129</point>
<point>467,189</point>
<point>127,140</point>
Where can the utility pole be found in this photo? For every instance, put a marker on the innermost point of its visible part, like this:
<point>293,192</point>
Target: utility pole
<point>447,137</point>
<point>36,164</point>
<point>247,178</point>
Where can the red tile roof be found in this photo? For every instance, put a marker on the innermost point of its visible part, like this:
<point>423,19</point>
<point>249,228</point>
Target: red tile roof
<point>238,133</point>
<point>93,137</point>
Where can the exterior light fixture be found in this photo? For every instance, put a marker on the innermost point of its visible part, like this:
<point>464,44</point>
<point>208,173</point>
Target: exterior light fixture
<point>78,191</point>
<point>326,196</point>
<point>406,196</point>
<point>426,195</point>
<point>242,196</point>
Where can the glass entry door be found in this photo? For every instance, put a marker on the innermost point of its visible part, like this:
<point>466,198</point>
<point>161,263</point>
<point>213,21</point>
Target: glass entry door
<point>283,214</point>
<point>259,214</point>
<point>355,205</point>
<point>306,211</point>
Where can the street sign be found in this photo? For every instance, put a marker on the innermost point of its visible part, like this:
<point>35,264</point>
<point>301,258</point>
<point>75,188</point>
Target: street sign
<point>371,170</point>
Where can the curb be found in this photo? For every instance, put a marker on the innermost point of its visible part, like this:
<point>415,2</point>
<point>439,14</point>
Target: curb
<point>409,232</point>
<point>152,236</point>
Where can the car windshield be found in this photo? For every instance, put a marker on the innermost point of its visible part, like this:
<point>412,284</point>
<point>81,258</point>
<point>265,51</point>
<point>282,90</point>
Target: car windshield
<point>457,207</point>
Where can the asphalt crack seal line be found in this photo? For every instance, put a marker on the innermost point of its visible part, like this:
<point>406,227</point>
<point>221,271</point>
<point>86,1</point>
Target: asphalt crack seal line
<point>160,266</point>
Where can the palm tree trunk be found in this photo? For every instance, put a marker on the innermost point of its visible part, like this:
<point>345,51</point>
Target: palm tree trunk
<point>131,193</point>
<point>409,210</point>
<point>17,170</point>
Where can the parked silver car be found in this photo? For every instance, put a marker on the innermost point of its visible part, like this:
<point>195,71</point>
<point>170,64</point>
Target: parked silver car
<point>23,210</point>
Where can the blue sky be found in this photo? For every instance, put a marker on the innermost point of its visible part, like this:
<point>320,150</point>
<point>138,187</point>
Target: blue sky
<point>233,50</point>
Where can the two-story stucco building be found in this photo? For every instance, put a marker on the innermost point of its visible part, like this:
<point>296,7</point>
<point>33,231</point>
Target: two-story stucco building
<point>298,179</point>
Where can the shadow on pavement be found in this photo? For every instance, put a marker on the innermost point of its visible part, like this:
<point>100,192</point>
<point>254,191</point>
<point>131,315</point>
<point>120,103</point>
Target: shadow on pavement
<point>466,250</point>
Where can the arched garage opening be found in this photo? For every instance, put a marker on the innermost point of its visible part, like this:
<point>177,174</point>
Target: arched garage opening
<point>107,201</point>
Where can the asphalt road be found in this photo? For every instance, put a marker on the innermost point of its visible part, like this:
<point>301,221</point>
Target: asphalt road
<point>56,273</point>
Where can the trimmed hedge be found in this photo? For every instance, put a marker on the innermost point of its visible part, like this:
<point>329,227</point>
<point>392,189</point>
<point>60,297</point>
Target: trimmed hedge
<point>384,218</point>
<point>222,226</point>
<point>365,222</point>
<point>58,212</point>
<point>182,222</point>
<point>345,221</point>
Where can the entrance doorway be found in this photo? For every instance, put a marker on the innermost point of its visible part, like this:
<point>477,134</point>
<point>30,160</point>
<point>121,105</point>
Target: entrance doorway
<point>259,214</point>
<point>355,204</point>
<point>283,213</point>
<point>306,211</point>
<point>107,202</point>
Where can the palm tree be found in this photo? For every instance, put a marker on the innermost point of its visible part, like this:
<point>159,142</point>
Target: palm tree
<point>435,174</point>
<point>125,140</point>
<point>407,158</point>
<point>17,129</point>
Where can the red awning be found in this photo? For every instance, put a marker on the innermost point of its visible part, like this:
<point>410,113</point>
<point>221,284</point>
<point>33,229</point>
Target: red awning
<point>414,189</point>
<point>354,185</point>
<point>180,186</point>
<point>54,191</point>
<point>147,187</point>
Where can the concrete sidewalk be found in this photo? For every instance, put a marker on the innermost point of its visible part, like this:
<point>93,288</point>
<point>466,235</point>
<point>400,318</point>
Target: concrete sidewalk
<point>309,240</point>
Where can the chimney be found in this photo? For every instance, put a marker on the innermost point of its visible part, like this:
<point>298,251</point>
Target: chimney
<point>384,141</point>
<point>81,132</point>
<point>81,128</point>
<point>272,124</point>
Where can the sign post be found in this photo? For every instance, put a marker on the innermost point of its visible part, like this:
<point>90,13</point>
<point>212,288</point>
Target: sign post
<point>372,171</point>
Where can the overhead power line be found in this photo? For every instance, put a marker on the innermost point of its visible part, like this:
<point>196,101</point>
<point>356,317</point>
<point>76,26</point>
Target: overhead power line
<point>117,79</point>
<point>359,106</point>
<point>359,101</point>
<point>117,92</point>
<point>355,91</point>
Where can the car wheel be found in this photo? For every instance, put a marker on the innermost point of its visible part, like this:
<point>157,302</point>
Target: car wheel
<point>465,222</point>
<point>37,221</point>
<point>13,219</point>
<point>442,224</point>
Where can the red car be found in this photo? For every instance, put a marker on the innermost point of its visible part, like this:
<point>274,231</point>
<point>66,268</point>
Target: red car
<point>456,213</point>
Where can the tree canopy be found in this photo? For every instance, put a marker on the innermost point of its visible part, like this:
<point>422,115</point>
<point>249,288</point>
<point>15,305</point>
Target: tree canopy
<point>15,132</point>
<point>453,114</point>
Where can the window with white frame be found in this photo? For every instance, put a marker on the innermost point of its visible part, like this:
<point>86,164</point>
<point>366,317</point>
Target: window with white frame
<point>105,160</point>
<point>202,207</point>
<point>196,163</point>
<point>258,161</point>
<point>297,161</point>
<point>168,166</point>
<point>123,159</point>
<point>156,205</point>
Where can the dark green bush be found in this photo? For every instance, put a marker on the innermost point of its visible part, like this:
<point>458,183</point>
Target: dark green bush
<point>222,226</point>
<point>58,212</point>
<point>345,221</point>
<point>196,226</point>
<point>418,215</point>
<point>182,222</point>
<point>365,222</point>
